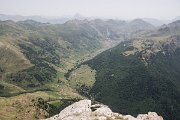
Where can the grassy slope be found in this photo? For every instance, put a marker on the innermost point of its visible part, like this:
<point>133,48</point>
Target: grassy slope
<point>28,106</point>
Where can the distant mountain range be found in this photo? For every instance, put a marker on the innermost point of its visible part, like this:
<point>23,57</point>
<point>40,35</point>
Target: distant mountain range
<point>157,22</point>
<point>52,20</point>
<point>63,19</point>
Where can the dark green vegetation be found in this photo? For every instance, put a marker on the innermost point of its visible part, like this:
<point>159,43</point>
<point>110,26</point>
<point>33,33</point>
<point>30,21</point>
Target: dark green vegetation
<point>137,77</point>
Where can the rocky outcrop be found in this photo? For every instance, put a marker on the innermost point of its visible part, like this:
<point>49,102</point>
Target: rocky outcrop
<point>81,109</point>
<point>149,116</point>
<point>84,110</point>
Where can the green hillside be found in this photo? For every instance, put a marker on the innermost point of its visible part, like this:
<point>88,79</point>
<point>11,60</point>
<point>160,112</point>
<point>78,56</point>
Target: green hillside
<point>31,49</point>
<point>36,60</point>
<point>33,53</point>
<point>141,75</point>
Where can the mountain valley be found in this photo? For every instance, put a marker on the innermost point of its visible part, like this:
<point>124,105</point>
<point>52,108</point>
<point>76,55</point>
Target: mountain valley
<point>131,66</point>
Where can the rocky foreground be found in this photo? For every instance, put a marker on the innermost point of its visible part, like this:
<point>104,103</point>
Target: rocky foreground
<point>84,110</point>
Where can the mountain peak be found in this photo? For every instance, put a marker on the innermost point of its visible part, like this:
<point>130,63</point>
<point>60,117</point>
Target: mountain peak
<point>177,18</point>
<point>78,17</point>
<point>140,21</point>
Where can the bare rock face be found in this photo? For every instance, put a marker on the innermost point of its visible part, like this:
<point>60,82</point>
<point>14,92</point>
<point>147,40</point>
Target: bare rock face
<point>149,116</point>
<point>83,110</point>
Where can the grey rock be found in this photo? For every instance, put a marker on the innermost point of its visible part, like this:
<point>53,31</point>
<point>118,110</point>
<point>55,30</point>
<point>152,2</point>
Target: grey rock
<point>83,110</point>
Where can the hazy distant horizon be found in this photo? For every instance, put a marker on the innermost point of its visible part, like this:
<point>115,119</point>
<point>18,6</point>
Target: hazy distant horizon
<point>117,9</point>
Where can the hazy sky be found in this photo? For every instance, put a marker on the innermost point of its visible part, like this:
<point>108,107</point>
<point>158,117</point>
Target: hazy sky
<point>128,9</point>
